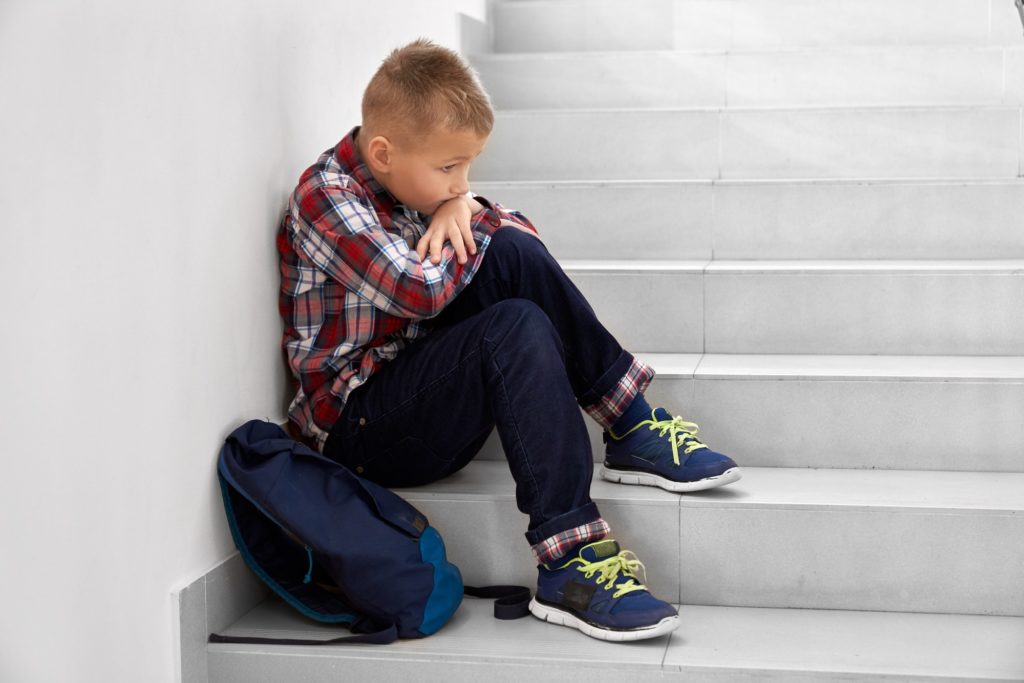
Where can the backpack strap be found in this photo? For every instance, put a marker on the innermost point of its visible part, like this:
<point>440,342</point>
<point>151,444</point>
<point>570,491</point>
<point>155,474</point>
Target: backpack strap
<point>380,637</point>
<point>513,602</point>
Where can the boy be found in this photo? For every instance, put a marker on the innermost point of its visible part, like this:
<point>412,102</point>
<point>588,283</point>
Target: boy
<point>404,364</point>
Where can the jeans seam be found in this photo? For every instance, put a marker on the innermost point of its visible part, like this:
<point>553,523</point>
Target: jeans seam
<point>526,461</point>
<point>429,386</point>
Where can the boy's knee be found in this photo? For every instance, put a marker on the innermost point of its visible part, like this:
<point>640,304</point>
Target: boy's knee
<point>514,314</point>
<point>522,323</point>
<point>513,239</point>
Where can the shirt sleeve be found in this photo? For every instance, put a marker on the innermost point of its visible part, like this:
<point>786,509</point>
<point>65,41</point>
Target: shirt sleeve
<point>501,213</point>
<point>344,238</point>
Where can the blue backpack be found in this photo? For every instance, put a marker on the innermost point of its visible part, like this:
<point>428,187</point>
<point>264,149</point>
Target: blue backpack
<point>339,548</point>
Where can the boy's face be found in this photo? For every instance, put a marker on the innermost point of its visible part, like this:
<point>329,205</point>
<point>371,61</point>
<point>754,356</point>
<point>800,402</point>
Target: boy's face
<point>428,172</point>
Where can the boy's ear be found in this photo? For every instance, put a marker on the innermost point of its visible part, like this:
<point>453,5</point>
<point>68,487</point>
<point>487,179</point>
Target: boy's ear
<point>378,154</point>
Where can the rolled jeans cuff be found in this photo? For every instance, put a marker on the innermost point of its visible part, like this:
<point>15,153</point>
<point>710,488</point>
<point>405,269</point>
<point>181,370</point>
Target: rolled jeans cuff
<point>634,376</point>
<point>551,539</point>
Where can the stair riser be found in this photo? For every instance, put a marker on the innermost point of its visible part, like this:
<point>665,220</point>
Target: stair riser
<point>633,308</point>
<point>582,25</point>
<point>801,143</point>
<point>832,312</point>
<point>853,559</point>
<point>886,76</point>
<point>735,220</point>
<point>833,558</point>
<point>894,314</point>
<point>278,666</point>
<point>572,25</point>
<point>962,426</point>
<point>931,425</point>
<point>1015,77</point>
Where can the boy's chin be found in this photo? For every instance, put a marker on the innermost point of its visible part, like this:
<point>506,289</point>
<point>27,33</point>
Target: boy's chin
<point>432,209</point>
<point>429,209</point>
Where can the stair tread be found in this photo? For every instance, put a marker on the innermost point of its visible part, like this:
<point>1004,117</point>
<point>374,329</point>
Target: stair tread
<point>832,367</point>
<point>1011,266</point>
<point>774,487</point>
<point>760,109</point>
<point>741,50</point>
<point>735,639</point>
<point>870,265</point>
<point>674,182</point>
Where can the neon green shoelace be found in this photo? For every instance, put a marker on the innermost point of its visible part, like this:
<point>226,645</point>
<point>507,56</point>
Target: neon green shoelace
<point>610,568</point>
<point>681,432</point>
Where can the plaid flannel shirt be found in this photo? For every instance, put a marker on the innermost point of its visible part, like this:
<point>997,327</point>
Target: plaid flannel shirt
<point>354,292</point>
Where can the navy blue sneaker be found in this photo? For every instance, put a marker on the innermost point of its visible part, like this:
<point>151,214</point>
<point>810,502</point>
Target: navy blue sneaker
<point>664,451</point>
<point>597,592</point>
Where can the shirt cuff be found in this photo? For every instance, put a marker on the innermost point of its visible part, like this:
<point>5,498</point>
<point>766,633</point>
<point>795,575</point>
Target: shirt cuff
<point>488,219</point>
<point>497,213</point>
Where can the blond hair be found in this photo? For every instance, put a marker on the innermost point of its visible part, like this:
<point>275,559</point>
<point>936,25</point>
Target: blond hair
<point>422,87</point>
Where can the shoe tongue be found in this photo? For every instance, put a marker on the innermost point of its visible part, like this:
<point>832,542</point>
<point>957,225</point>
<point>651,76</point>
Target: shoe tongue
<point>661,414</point>
<point>599,550</point>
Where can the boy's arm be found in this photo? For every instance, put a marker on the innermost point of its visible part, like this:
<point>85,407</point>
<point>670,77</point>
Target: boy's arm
<point>345,240</point>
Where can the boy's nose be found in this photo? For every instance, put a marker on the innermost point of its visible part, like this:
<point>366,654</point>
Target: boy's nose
<point>460,185</point>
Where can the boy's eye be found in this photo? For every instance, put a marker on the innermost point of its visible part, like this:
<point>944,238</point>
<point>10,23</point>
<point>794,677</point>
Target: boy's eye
<point>448,168</point>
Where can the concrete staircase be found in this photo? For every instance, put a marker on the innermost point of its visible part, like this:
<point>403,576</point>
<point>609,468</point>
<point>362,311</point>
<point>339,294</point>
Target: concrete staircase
<point>807,217</point>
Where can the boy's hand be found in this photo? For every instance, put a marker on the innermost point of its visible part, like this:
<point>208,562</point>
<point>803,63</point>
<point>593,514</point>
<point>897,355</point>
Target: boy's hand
<point>450,222</point>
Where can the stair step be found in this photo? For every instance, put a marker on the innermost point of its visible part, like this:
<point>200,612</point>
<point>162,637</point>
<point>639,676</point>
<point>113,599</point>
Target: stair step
<point>772,219</point>
<point>714,643</point>
<point>645,144</point>
<point>929,75</point>
<point>955,413</point>
<point>864,307</point>
<point>575,25</point>
<point>808,307</point>
<point>780,537</point>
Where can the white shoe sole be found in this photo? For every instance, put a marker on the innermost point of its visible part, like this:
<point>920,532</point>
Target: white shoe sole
<point>556,616</point>
<point>649,479</point>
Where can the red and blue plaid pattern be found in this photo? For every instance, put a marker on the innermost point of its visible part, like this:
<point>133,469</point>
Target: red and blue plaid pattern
<point>354,292</point>
<point>614,403</point>
<point>554,547</point>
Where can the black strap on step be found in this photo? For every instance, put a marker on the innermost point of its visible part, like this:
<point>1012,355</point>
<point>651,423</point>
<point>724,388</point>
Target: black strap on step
<point>381,637</point>
<point>513,602</point>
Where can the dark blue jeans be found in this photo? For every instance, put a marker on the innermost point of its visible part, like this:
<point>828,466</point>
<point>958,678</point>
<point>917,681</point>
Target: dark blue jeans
<point>519,348</point>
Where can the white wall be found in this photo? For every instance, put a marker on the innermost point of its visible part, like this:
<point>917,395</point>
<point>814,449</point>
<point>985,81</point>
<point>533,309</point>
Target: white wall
<point>146,149</point>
